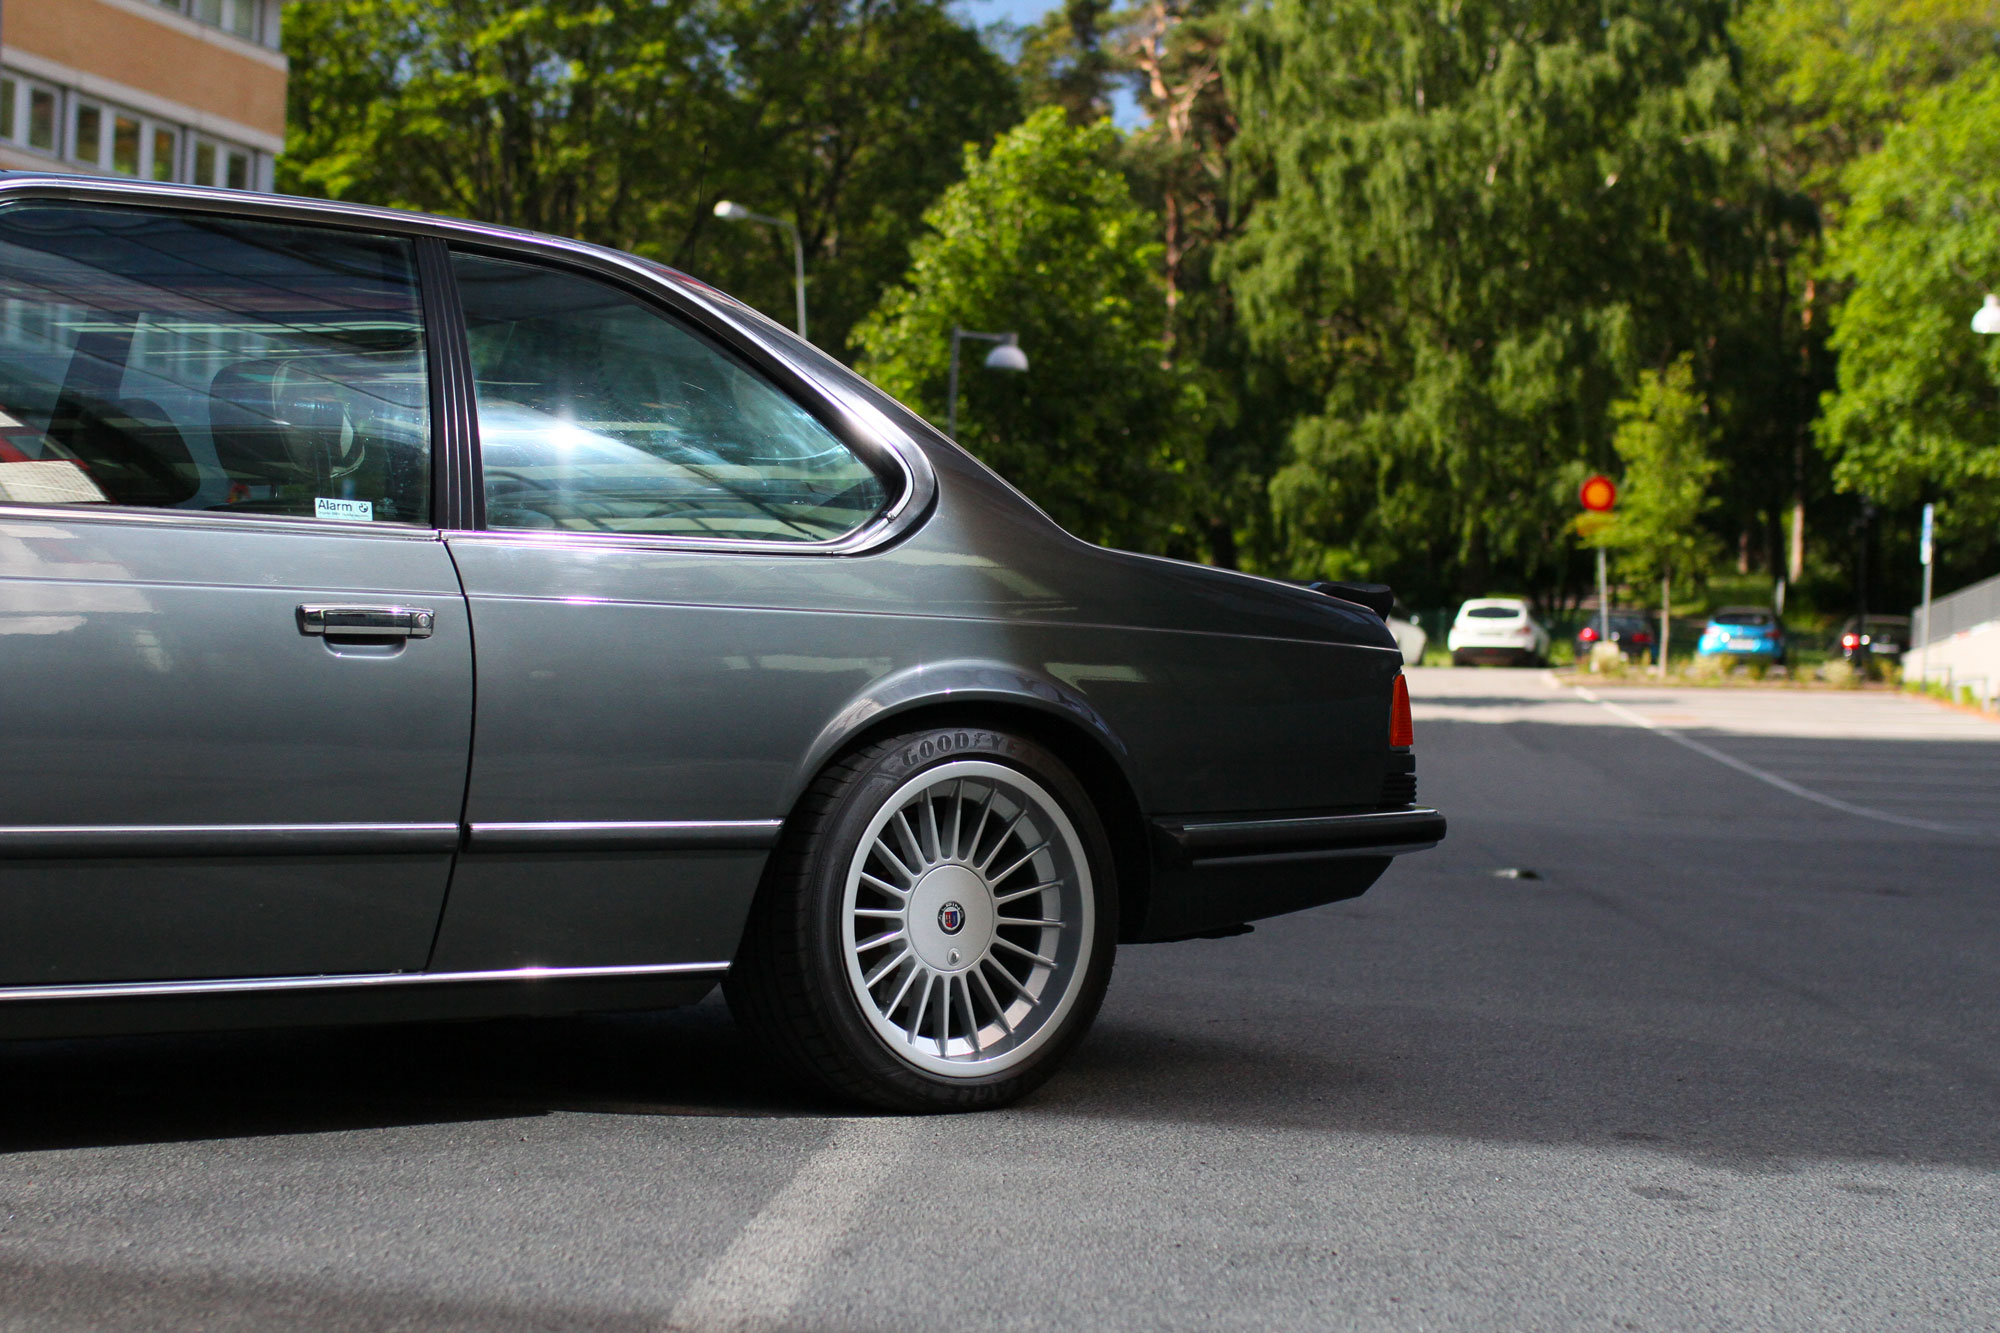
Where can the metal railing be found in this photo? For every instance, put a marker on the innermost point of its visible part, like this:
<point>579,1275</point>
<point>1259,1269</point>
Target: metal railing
<point>1958,611</point>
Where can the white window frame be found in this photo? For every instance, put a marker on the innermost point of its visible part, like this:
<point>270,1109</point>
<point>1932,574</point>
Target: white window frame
<point>258,165</point>
<point>261,15</point>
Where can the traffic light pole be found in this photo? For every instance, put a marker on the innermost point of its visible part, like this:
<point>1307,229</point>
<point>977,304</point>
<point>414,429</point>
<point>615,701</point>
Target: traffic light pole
<point>1603,602</point>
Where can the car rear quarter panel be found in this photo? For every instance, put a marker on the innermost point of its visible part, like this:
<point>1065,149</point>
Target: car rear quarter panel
<point>723,680</point>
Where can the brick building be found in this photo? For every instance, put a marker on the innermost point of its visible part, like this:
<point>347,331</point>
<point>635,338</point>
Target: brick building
<point>167,90</point>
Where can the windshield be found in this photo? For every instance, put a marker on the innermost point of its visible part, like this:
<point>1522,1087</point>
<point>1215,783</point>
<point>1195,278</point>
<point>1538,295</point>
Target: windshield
<point>1753,618</point>
<point>1494,612</point>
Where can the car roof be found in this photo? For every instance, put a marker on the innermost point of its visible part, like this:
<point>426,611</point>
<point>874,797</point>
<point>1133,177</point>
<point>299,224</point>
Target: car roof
<point>83,188</point>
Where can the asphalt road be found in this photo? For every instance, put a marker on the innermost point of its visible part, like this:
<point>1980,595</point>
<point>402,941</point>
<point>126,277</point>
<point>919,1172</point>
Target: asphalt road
<point>1730,1058</point>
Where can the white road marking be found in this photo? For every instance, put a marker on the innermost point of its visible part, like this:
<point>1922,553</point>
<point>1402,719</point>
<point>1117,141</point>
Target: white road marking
<point>1751,770</point>
<point>774,1259</point>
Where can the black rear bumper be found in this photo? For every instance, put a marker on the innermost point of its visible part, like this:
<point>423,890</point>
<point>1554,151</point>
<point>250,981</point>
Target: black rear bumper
<point>1209,875</point>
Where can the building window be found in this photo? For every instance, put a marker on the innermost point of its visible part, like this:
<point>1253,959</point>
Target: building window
<point>29,114</point>
<point>125,144</point>
<point>87,143</point>
<point>252,20</point>
<point>164,161</point>
<point>42,119</point>
<point>112,139</point>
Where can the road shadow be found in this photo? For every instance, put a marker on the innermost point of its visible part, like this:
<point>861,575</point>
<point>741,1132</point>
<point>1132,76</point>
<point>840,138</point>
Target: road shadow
<point>101,1091</point>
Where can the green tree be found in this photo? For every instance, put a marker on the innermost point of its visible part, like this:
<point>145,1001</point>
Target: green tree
<point>1067,60</point>
<point>624,121</point>
<point>571,116</point>
<point>1663,440</point>
<point>1830,78</point>
<point>1042,237</point>
<point>1471,226</point>
<point>1916,415</point>
<point>850,117</point>
<point>1181,166</point>
<point>1825,81</point>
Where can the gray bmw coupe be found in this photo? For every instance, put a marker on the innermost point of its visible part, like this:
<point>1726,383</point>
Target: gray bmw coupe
<point>409,618</point>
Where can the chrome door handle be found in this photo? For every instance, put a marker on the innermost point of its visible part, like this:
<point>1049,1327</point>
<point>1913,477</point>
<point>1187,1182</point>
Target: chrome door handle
<point>367,622</point>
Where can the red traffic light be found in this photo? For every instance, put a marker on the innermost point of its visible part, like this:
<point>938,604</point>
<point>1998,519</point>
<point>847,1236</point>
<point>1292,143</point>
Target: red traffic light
<point>1599,494</point>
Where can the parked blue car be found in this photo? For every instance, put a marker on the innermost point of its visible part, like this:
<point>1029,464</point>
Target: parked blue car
<point>1743,631</point>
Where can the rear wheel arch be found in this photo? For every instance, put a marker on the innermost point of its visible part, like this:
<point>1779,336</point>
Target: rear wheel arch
<point>1088,755</point>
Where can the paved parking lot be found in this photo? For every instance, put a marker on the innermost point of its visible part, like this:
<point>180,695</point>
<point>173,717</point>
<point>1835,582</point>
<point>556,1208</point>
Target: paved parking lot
<point>1878,755</point>
<point>1719,1055</point>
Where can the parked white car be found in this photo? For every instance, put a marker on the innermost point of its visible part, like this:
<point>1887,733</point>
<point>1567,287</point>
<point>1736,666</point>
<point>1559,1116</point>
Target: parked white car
<point>1497,630</point>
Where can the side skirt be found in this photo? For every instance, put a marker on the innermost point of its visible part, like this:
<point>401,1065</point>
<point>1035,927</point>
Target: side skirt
<point>187,1006</point>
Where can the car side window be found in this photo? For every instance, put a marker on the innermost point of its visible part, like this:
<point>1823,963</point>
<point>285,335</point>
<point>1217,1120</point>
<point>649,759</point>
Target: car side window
<point>197,362</point>
<point>598,413</point>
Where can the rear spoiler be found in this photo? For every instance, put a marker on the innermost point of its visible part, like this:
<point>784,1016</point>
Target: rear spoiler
<point>1377,597</point>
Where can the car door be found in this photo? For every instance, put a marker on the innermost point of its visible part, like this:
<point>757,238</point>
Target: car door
<point>235,654</point>
<point>653,661</point>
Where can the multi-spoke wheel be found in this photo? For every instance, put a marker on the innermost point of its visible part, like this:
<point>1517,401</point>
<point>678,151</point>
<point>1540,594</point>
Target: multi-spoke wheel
<point>937,930</point>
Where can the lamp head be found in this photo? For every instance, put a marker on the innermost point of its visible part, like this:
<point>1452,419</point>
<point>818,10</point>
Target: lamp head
<point>1987,318</point>
<point>731,212</point>
<point>1007,356</point>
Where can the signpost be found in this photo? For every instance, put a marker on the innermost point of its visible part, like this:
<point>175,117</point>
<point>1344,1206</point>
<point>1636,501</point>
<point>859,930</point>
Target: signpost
<point>1924,558</point>
<point>1598,496</point>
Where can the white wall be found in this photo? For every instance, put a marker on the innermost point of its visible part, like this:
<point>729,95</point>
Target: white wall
<point>1970,657</point>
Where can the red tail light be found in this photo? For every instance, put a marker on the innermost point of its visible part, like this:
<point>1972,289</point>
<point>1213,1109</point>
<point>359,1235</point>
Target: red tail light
<point>1642,637</point>
<point>1401,734</point>
<point>1850,640</point>
<point>1588,634</point>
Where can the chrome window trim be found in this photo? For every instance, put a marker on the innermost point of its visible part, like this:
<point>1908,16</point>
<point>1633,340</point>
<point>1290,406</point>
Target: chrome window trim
<point>862,426</point>
<point>210,520</point>
<point>131,990</point>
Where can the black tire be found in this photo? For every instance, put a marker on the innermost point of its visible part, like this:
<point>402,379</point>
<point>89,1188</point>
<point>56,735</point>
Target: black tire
<point>797,986</point>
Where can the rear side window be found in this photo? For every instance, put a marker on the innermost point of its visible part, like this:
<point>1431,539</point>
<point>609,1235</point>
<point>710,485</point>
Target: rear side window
<point>181,361</point>
<point>597,413</point>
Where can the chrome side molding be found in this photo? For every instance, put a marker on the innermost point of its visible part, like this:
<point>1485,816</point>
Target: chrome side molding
<point>132,990</point>
<point>27,841</point>
<point>626,836</point>
<point>111,841</point>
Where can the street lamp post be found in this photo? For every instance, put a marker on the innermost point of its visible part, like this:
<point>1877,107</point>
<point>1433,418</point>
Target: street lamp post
<point>734,212</point>
<point>1007,355</point>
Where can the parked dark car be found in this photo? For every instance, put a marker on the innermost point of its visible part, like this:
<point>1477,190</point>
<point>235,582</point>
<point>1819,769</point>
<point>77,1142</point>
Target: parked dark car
<point>775,686</point>
<point>1633,635</point>
<point>1884,637</point>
